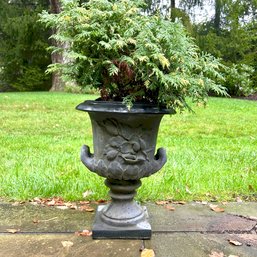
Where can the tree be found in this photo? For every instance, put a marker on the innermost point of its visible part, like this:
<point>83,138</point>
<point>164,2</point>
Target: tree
<point>217,17</point>
<point>55,6</point>
<point>231,35</point>
<point>23,43</point>
<point>58,84</point>
<point>57,57</point>
<point>168,6</point>
<point>174,9</point>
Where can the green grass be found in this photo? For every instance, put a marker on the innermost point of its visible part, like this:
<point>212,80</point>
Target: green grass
<point>212,154</point>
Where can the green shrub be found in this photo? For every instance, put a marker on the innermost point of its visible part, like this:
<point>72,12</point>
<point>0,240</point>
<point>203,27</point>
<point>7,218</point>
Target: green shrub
<point>75,89</point>
<point>238,80</point>
<point>32,79</point>
<point>129,56</point>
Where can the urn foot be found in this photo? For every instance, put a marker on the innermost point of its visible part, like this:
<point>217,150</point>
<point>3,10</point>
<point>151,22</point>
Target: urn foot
<point>101,230</point>
<point>122,217</point>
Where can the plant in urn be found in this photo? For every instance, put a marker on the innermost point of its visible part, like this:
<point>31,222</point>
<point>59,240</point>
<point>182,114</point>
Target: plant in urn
<point>143,67</point>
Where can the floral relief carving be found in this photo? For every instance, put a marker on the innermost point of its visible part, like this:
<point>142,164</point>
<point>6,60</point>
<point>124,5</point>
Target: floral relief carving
<point>125,151</point>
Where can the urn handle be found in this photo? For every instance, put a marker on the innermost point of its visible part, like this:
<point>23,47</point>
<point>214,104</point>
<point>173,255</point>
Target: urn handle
<point>113,169</point>
<point>87,158</point>
<point>160,159</point>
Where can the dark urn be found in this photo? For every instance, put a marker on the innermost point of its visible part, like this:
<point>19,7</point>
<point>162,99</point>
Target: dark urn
<point>124,152</point>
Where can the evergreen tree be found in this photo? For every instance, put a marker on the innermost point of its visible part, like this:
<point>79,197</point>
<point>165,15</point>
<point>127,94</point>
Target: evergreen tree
<point>231,35</point>
<point>23,43</point>
<point>57,56</point>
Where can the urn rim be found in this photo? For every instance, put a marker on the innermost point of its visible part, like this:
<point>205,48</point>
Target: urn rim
<point>119,107</point>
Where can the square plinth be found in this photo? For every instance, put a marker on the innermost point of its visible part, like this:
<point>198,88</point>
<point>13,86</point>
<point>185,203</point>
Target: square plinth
<point>101,230</point>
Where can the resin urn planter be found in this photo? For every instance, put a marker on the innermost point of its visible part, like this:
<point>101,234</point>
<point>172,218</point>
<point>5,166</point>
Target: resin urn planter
<point>124,152</point>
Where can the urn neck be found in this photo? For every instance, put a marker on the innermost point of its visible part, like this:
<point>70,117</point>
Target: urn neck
<point>122,190</point>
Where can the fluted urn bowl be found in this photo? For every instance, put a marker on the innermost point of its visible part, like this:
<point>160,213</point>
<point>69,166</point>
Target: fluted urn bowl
<point>124,143</point>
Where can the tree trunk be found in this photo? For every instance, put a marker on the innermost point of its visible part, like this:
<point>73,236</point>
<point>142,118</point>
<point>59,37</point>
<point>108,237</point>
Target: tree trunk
<point>217,17</point>
<point>55,6</point>
<point>57,82</point>
<point>172,4</point>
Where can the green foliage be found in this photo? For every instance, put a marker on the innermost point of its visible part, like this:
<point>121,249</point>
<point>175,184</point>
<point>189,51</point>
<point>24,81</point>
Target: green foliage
<point>232,36</point>
<point>130,56</point>
<point>23,43</point>
<point>177,13</point>
<point>75,89</point>
<point>238,80</point>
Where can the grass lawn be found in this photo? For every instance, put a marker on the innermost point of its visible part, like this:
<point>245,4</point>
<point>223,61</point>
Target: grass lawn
<point>212,154</point>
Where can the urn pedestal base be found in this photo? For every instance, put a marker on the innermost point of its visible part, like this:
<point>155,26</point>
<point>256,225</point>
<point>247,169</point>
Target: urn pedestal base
<point>122,217</point>
<point>101,230</point>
